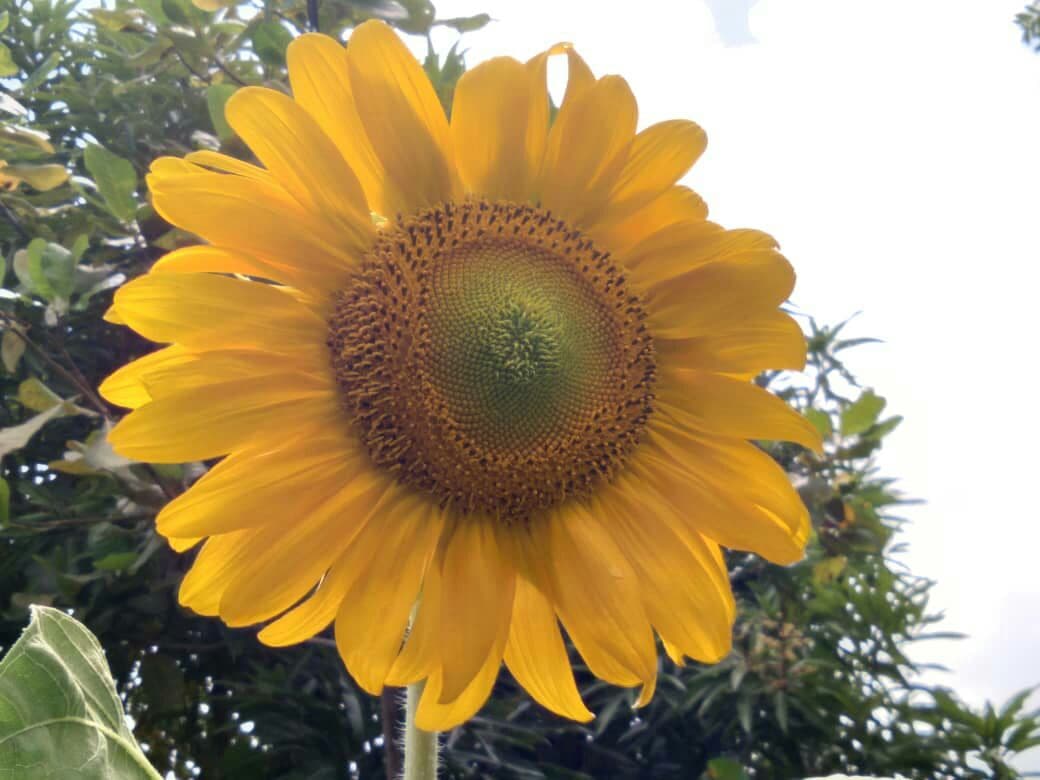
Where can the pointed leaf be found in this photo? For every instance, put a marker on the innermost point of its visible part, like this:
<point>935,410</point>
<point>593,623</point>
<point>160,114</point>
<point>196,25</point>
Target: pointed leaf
<point>115,179</point>
<point>861,414</point>
<point>12,347</point>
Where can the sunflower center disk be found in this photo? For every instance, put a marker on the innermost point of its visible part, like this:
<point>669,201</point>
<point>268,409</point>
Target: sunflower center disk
<point>490,355</point>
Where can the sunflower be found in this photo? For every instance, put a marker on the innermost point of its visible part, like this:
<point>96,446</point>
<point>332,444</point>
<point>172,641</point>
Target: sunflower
<point>478,378</point>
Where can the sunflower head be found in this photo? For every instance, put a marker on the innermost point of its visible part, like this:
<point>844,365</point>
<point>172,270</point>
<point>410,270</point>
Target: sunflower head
<point>492,372</point>
<point>493,357</point>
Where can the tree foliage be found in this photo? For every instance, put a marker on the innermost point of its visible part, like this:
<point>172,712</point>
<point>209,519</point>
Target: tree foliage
<point>1029,21</point>
<point>823,675</point>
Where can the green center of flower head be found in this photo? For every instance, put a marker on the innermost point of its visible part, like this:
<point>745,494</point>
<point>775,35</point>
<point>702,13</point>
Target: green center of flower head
<point>491,355</point>
<point>519,345</point>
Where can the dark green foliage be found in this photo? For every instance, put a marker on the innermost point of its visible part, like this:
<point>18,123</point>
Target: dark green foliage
<point>1029,21</point>
<point>820,679</point>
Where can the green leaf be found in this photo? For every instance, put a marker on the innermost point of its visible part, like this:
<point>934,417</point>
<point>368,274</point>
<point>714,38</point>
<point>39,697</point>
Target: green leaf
<point>25,137</point>
<point>821,421</point>
<point>744,713</point>
<point>52,269</point>
<point>115,179</point>
<point>5,503</point>
<point>216,97</point>
<point>34,394</point>
<point>270,40</point>
<point>37,280</point>
<point>12,347</point>
<point>60,715</point>
<point>464,24</point>
<point>41,73</point>
<point>829,569</point>
<point>5,19</point>
<point>119,561</point>
<point>176,11</point>
<point>882,429</point>
<point>726,769</point>
<point>40,177</point>
<point>780,708</point>
<point>154,9</point>
<point>7,65</point>
<point>861,414</point>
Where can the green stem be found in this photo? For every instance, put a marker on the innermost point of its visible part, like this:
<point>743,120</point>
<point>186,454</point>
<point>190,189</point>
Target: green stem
<point>420,747</point>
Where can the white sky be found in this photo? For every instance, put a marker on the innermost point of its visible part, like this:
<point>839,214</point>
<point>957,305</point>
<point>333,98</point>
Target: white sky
<point>893,147</point>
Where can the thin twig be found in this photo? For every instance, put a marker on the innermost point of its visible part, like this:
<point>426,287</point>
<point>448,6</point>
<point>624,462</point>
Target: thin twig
<point>191,70</point>
<point>230,73</point>
<point>73,522</point>
<point>79,383</point>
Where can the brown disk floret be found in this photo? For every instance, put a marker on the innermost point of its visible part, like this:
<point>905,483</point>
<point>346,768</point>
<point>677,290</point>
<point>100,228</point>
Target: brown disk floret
<point>491,355</point>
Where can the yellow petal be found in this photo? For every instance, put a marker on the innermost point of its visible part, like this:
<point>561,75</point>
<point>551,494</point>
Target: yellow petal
<point>579,76</point>
<point>719,295</point>
<point>436,715</point>
<point>285,561</point>
<point>219,366</point>
<point>490,128</point>
<point>421,655</point>
<point>676,204</point>
<point>679,595</point>
<point>205,258</point>
<point>402,116</point>
<point>126,387</point>
<point>205,311</point>
<point>212,421</point>
<point>301,157</point>
<point>389,557</point>
<point>770,340</point>
<point>583,158</point>
<point>243,489</point>
<point>256,217</point>
<point>223,163</point>
<point>477,584</point>
<point>684,246</point>
<point>320,79</point>
<point>217,562</point>
<point>711,403</point>
<point>316,613</point>
<point>537,657</point>
<point>738,467</point>
<point>183,545</point>
<point>598,597</point>
<point>750,509</point>
<point>657,158</point>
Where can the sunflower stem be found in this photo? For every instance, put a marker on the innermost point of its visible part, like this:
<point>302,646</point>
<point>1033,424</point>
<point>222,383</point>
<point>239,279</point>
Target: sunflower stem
<point>420,747</point>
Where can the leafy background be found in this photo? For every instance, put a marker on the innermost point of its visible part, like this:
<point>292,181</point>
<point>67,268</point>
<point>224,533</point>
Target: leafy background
<point>824,675</point>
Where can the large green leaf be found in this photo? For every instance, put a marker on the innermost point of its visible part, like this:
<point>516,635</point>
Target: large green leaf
<point>60,715</point>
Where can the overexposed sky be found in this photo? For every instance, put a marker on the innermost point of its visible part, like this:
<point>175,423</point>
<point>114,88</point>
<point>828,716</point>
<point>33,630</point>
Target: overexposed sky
<point>892,147</point>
